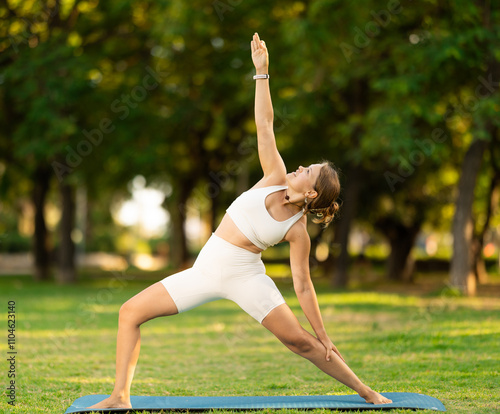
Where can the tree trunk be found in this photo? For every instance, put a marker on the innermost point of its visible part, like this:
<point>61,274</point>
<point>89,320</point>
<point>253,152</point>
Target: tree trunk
<point>400,263</point>
<point>461,273</point>
<point>41,252</point>
<point>476,247</point>
<point>81,212</point>
<point>66,272</point>
<point>179,254</point>
<point>478,265</point>
<point>358,104</point>
<point>214,206</point>
<point>492,205</point>
<point>340,277</point>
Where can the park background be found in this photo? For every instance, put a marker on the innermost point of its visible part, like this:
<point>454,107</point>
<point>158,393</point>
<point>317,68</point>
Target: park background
<point>127,129</point>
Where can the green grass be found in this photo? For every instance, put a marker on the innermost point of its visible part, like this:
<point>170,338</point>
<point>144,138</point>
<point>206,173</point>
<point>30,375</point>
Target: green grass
<point>446,347</point>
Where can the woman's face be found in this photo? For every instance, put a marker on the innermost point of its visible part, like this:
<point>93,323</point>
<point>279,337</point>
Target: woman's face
<point>304,178</point>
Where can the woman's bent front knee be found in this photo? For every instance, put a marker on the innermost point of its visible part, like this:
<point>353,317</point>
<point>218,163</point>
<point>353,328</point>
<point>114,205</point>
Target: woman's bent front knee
<point>129,314</point>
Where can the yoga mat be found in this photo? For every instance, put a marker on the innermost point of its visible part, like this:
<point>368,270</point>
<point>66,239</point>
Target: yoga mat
<point>339,402</point>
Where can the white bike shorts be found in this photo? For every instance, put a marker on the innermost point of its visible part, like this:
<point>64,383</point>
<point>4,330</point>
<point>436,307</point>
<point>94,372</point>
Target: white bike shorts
<point>225,271</point>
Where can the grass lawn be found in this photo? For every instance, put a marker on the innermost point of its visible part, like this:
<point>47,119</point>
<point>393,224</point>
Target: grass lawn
<point>432,344</point>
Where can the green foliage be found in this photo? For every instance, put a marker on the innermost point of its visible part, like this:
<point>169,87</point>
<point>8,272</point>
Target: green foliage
<point>14,243</point>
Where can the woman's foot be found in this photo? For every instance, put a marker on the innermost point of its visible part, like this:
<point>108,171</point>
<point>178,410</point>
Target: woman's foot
<point>373,397</point>
<point>113,402</point>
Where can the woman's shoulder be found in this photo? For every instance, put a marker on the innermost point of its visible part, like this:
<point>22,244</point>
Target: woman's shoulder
<point>298,231</point>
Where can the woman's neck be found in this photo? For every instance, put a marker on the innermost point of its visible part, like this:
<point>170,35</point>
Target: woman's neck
<point>294,201</point>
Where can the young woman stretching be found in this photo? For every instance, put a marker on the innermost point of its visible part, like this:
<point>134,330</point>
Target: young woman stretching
<point>229,266</point>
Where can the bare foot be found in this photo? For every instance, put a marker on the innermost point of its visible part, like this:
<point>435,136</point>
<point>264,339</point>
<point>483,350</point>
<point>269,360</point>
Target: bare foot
<point>373,397</point>
<point>113,402</point>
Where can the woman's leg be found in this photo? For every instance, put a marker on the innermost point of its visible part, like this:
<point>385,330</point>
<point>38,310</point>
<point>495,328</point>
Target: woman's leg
<point>282,322</point>
<point>151,303</point>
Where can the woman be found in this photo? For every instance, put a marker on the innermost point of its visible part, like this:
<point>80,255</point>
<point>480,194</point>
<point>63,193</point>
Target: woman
<point>230,266</point>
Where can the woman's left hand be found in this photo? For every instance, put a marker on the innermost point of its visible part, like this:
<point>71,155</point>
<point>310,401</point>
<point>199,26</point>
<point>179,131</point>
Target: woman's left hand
<point>330,349</point>
<point>260,56</point>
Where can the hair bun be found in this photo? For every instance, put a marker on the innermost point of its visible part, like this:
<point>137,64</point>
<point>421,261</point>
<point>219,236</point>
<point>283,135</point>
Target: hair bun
<point>327,186</point>
<point>324,216</point>
<point>334,208</point>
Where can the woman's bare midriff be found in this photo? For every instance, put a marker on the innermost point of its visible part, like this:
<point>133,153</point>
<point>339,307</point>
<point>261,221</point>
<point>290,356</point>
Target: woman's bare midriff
<point>228,231</point>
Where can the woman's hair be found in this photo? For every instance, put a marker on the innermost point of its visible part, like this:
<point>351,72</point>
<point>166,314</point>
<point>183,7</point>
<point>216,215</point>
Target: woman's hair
<point>327,186</point>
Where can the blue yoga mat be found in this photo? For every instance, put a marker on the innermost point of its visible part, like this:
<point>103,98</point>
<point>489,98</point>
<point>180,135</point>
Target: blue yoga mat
<point>339,402</point>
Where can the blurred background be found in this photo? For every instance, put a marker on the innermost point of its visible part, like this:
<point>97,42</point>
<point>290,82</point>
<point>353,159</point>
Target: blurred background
<point>127,129</point>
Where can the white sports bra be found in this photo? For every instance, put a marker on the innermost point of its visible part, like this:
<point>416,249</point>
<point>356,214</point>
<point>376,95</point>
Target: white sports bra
<point>250,215</point>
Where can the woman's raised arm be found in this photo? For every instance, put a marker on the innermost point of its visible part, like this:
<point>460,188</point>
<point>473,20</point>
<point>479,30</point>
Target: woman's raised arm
<point>270,159</point>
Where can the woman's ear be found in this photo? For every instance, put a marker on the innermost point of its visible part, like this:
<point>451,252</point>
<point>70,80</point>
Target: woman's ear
<point>311,194</point>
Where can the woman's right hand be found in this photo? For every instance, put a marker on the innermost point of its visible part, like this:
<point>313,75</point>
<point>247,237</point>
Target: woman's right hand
<point>260,55</point>
<point>330,349</point>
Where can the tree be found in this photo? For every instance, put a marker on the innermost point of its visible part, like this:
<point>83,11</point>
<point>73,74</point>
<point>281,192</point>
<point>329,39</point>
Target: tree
<point>484,126</point>
<point>492,201</point>
<point>59,118</point>
<point>35,107</point>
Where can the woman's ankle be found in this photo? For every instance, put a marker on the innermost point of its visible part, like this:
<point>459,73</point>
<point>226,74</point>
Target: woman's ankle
<point>364,390</point>
<point>120,395</point>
